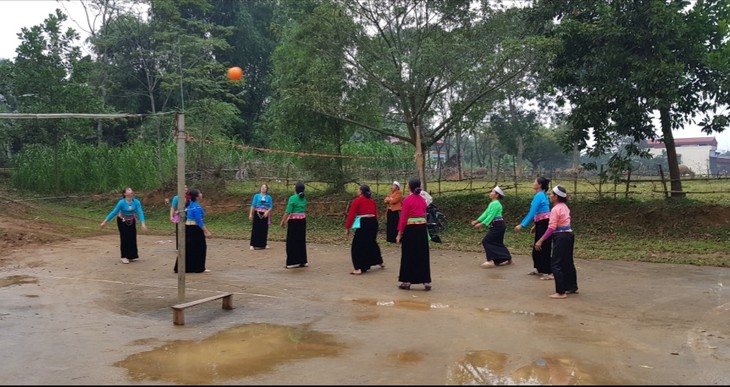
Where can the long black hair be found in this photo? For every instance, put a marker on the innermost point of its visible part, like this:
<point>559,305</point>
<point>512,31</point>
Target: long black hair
<point>299,189</point>
<point>544,183</point>
<point>415,185</point>
<point>194,193</point>
<point>365,189</point>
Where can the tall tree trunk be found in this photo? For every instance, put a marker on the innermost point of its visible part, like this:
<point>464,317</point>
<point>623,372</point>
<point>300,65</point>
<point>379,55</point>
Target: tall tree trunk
<point>674,177</point>
<point>419,158</point>
<point>519,143</point>
<point>519,156</point>
<point>458,156</point>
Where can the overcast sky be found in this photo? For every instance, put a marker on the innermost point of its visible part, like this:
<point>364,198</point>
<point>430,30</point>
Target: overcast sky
<point>17,14</point>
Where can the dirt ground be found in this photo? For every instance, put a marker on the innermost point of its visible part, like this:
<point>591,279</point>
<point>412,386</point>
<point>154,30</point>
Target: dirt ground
<point>72,313</point>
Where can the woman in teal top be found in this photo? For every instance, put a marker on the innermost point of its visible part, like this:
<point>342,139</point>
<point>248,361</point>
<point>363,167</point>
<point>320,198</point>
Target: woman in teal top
<point>540,214</point>
<point>259,215</point>
<point>127,211</point>
<point>296,234</point>
<point>493,242</point>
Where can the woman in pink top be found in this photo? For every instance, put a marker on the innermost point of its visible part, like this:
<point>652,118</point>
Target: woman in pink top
<point>561,261</point>
<point>415,261</point>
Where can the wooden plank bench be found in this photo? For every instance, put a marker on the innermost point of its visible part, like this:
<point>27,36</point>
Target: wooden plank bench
<point>178,314</point>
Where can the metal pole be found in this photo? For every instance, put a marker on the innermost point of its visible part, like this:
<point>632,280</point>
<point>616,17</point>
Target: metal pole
<point>180,136</point>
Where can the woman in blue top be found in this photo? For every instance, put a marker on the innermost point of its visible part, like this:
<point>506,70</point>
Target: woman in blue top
<point>539,213</point>
<point>260,214</point>
<point>196,247</point>
<point>127,211</point>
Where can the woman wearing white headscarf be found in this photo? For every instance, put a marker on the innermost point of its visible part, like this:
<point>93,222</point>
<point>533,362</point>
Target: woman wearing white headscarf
<point>493,242</point>
<point>561,259</point>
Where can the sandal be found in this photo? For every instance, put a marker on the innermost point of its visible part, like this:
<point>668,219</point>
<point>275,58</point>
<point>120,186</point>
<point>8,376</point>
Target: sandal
<point>547,277</point>
<point>405,285</point>
<point>427,287</point>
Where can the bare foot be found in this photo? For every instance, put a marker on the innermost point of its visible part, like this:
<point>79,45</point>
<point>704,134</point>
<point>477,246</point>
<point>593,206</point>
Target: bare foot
<point>558,296</point>
<point>356,272</point>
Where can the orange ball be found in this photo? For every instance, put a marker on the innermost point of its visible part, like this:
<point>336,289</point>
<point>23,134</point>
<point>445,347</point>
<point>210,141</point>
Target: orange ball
<point>235,73</point>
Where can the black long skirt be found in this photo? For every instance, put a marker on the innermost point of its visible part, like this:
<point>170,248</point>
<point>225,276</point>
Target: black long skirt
<point>296,242</point>
<point>541,258</point>
<point>196,249</point>
<point>391,225</point>
<point>259,230</point>
<point>566,278</point>
<point>127,238</point>
<point>415,260</point>
<point>493,243</point>
<point>365,250</point>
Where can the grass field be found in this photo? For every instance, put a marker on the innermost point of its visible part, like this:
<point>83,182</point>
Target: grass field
<point>687,231</point>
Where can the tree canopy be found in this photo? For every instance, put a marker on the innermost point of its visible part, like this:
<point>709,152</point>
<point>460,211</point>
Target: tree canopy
<point>621,63</point>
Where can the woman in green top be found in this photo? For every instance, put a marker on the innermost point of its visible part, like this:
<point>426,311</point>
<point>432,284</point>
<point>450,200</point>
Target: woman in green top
<point>493,242</point>
<point>296,234</point>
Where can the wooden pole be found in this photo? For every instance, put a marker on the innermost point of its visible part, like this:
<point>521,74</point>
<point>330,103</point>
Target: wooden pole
<point>180,136</point>
<point>664,182</point>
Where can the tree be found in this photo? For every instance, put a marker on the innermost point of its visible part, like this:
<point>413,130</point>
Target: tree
<point>515,128</point>
<point>544,150</point>
<point>310,75</point>
<point>623,61</point>
<point>51,76</point>
<point>254,42</point>
<point>432,62</point>
<point>8,103</point>
<point>166,61</point>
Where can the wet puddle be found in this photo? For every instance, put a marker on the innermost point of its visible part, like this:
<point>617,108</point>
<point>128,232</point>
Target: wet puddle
<point>539,316</point>
<point>406,356</point>
<point>408,304</point>
<point>234,353</point>
<point>495,368</point>
<point>17,280</point>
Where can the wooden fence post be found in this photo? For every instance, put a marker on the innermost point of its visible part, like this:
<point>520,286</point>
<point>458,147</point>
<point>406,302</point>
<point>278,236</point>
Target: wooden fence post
<point>664,182</point>
<point>600,183</point>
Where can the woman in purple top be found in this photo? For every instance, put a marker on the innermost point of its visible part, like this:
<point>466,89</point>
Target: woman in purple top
<point>127,211</point>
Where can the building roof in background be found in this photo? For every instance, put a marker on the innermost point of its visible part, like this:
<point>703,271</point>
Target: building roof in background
<point>709,141</point>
